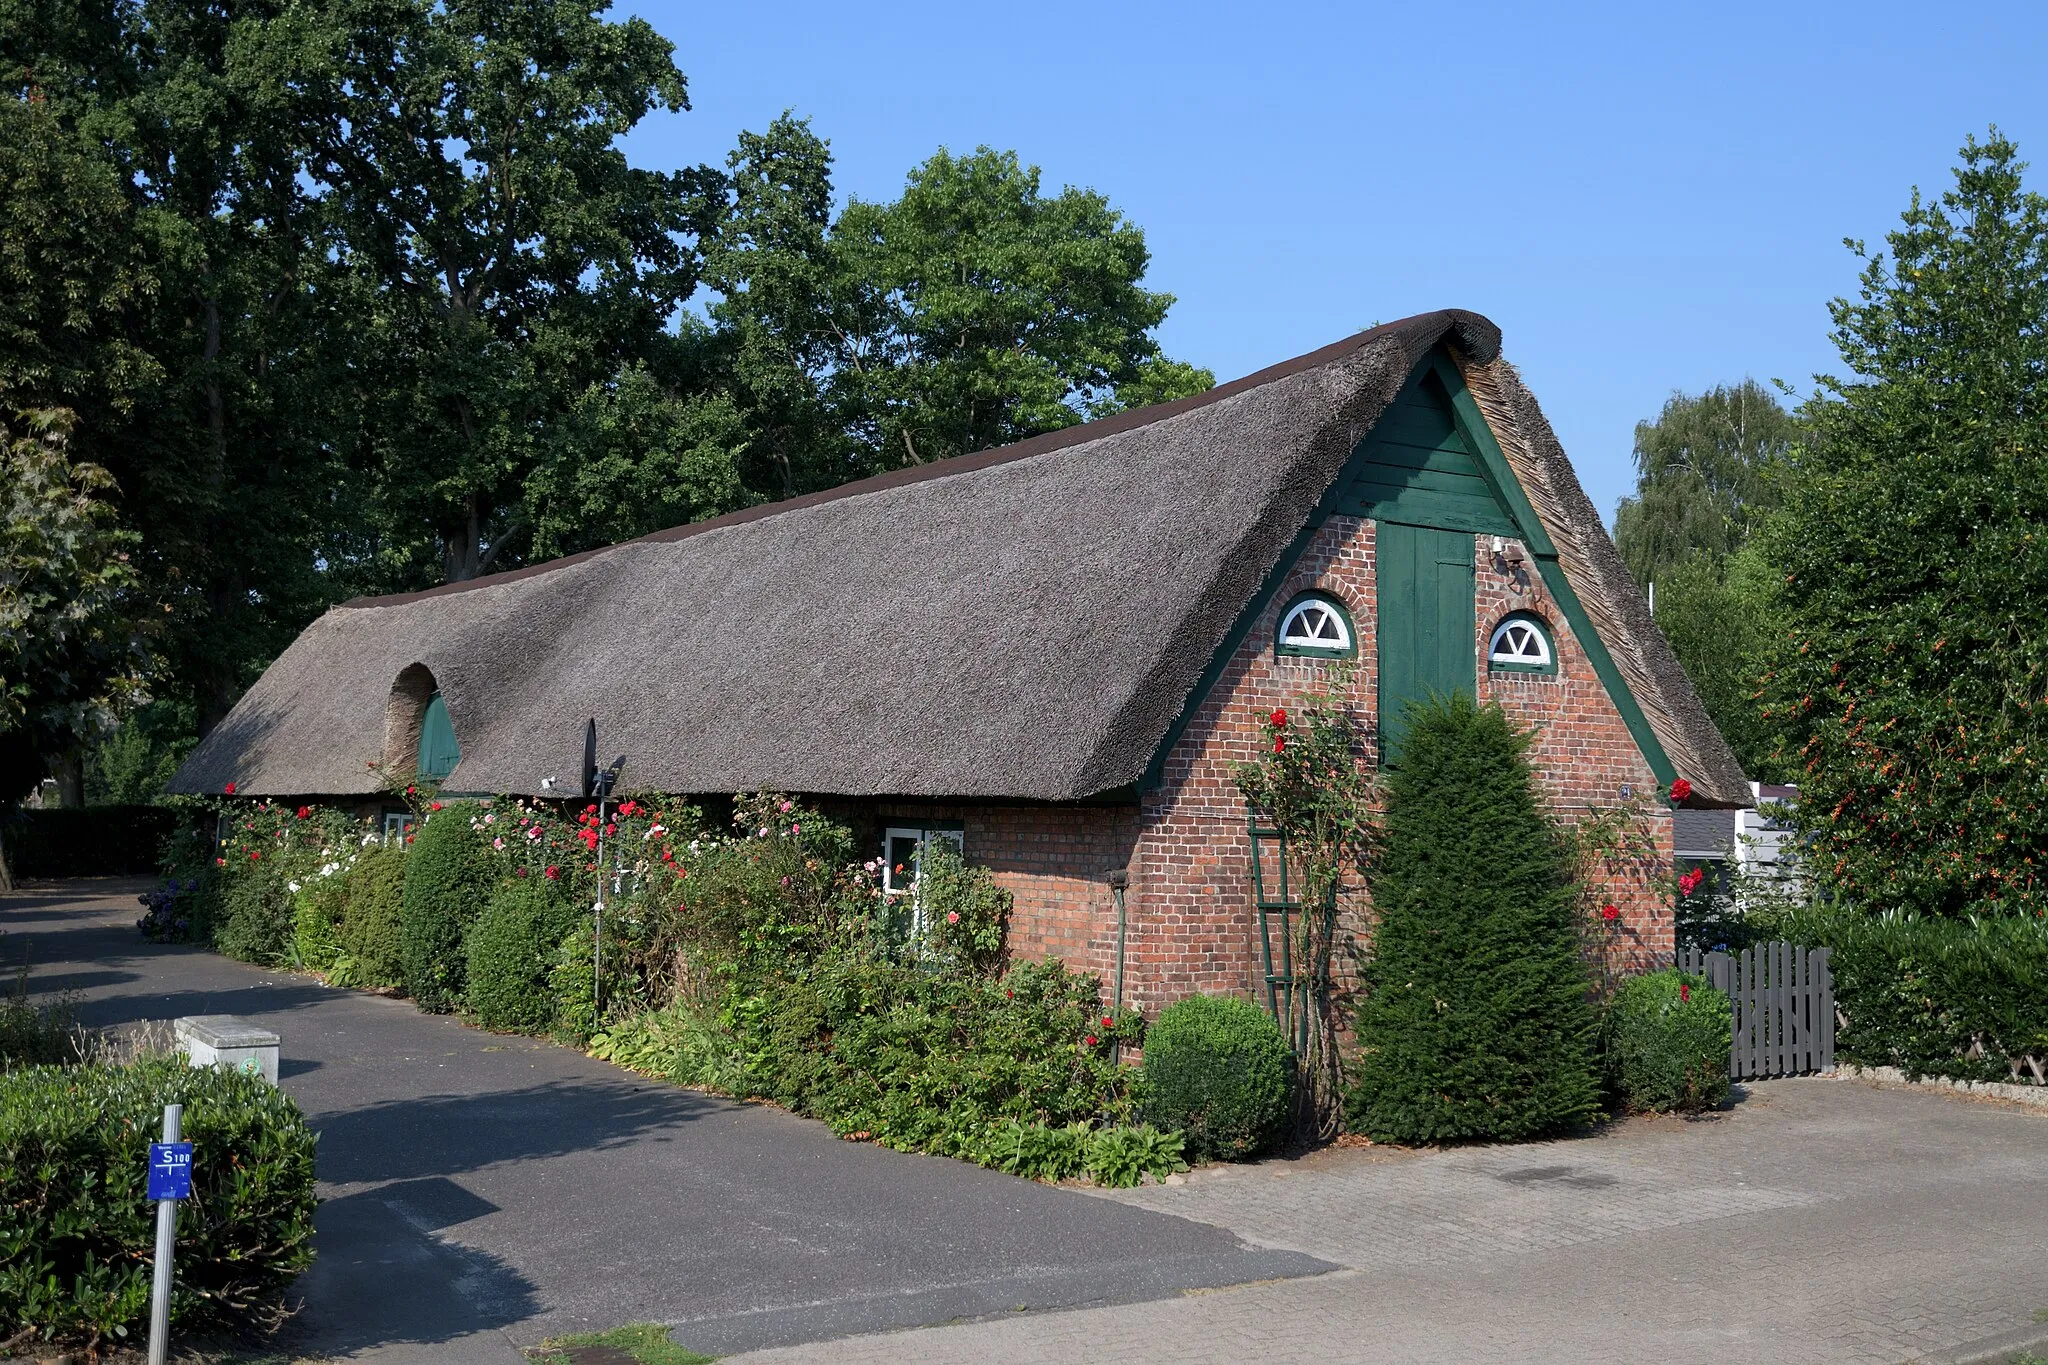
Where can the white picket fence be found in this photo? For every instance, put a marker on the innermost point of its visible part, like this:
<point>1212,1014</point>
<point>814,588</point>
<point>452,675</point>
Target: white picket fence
<point>1784,998</point>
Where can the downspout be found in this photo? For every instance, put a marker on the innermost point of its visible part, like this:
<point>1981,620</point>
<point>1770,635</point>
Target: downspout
<point>1118,879</point>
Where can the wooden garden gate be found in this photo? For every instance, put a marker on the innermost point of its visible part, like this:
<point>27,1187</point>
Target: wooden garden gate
<point>1784,999</point>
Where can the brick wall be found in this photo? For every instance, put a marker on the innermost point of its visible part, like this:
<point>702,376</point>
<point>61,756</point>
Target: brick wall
<point>1192,927</point>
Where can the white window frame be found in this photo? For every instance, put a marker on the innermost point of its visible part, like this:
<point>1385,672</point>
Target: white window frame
<point>1331,613</point>
<point>921,835</point>
<point>1545,659</point>
<point>400,823</point>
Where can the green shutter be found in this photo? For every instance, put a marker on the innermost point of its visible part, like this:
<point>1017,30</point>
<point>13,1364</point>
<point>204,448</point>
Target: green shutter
<point>1425,619</point>
<point>438,749</point>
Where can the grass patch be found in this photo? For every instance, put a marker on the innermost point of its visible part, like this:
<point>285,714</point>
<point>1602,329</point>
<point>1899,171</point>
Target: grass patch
<point>646,1342</point>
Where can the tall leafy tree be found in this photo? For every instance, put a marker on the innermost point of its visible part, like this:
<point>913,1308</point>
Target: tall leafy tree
<point>1704,476</point>
<point>972,311</point>
<point>72,651</point>
<point>511,258</point>
<point>1914,562</point>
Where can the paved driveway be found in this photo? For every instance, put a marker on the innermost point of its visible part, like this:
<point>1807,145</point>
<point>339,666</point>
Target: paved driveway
<point>482,1191</point>
<point>1820,1221</point>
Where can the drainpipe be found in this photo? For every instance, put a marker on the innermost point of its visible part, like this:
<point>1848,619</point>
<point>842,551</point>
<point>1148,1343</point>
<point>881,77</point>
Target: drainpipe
<point>1118,879</point>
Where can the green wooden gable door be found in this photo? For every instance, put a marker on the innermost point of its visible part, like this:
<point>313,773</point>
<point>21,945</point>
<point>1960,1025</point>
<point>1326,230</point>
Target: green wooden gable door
<point>1425,620</point>
<point>438,749</point>
<point>1417,467</point>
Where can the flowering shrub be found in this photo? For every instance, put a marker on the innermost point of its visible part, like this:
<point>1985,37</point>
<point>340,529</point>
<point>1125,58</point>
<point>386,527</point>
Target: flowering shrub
<point>1666,1039</point>
<point>966,913</point>
<point>271,855</point>
<point>168,911</point>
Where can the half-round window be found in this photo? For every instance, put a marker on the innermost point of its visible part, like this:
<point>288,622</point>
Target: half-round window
<point>1521,644</point>
<point>1316,624</point>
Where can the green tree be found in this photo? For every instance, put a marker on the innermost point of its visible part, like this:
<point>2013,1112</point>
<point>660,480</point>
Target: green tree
<point>71,651</point>
<point>1720,617</point>
<point>1705,474</point>
<point>970,312</point>
<point>1474,1020</point>
<point>1914,563</point>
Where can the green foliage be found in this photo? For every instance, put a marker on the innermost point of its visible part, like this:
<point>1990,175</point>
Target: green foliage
<point>647,1342</point>
<point>447,880</point>
<point>76,1234</point>
<point>271,856</point>
<point>1474,1021</point>
<point>1218,1070</point>
<point>678,1043</point>
<point>133,764</point>
<point>1119,1156</point>
<point>316,924</point>
<point>1914,675</point>
<point>1966,999</point>
<point>966,913</point>
<point>1122,1156</point>
<point>1666,1039</point>
<point>921,1060</point>
<point>512,948</point>
<point>1720,618</point>
<point>43,1033</point>
<point>1707,473</point>
<point>371,917</point>
<point>71,649</point>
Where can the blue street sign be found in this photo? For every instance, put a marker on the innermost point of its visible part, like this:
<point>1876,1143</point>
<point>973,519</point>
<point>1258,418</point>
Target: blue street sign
<point>170,1170</point>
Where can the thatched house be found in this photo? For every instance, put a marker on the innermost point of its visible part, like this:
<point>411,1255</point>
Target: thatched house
<point>1053,652</point>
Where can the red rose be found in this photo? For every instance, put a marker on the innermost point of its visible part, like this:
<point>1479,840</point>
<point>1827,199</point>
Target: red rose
<point>1610,912</point>
<point>305,812</point>
<point>1108,1022</point>
<point>410,790</point>
<point>1681,790</point>
<point>1279,717</point>
<point>553,874</point>
<point>520,873</point>
<point>220,862</point>
<point>1279,744</point>
<point>1091,1040</point>
<point>434,806</point>
<point>229,789</point>
<point>1684,991</point>
<point>254,856</point>
<point>1690,882</point>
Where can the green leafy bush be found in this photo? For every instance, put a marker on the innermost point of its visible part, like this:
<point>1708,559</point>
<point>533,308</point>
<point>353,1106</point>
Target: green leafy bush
<point>447,881</point>
<point>255,918</point>
<point>1120,1157</point>
<point>271,856</point>
<point>1218,1070</point>
<point>512,948</point>
<point>1965,999</point>
<point>316,923</point>
<point>677,1043</point>
<point>77,1234</point>
<point>1474,1020</point>
<point>966,913</point>
<point>1667,1037</point>
<point>922,1060</point>
<point>39,1034</point>
<point>370,936</point>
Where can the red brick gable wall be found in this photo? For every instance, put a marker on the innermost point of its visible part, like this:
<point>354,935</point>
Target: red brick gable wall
<point>1191,924</point>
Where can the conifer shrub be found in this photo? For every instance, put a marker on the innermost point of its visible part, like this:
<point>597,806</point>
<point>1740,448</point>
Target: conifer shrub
<point>447,880</point>
<point>1667,1037</point>
<point>511,950</point>
<point>77,1234</point>
<point>1218,1070</point>
<point>369,936</point>
<point>1474,1019</point>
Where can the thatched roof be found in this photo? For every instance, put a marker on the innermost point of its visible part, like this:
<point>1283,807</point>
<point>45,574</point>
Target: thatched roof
<point>1026,622</point>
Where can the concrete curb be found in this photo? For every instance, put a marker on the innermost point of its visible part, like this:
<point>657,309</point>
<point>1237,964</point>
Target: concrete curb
<point>2034,1095</point>
<point>1998,1350</point>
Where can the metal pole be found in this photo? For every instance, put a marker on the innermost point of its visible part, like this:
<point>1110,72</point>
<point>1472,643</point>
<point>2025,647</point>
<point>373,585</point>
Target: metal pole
<point>597,935</point>
<point>1118,880</point>
<point>166,1236</point>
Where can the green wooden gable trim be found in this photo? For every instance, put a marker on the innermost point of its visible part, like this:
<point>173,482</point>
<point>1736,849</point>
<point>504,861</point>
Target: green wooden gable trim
<point>1472,425</point>
<point>1433,427</point>
<point>439,752</point>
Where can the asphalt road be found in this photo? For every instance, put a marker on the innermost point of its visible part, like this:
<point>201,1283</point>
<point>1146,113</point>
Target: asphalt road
<point>481,1192</point>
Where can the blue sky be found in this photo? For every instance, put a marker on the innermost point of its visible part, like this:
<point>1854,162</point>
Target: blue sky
<point>1644,197</point>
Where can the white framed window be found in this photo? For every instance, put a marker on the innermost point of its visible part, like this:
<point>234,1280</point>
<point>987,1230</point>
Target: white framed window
<point>903,848</point>
<point>397,824</point>
<point>1316,624</point>
<point>1521,644</point>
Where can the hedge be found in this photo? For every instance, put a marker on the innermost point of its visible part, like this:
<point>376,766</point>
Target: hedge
<point>89,841</point>
<point>1965,999</point>
<point>1219,1070</point>
<point>446,883</point>
<point>1667,1036</point>
<point>77,1235</point>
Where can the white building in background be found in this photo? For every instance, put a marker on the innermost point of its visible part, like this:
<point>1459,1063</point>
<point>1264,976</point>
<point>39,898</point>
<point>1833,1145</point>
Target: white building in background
<point>1758,842</point>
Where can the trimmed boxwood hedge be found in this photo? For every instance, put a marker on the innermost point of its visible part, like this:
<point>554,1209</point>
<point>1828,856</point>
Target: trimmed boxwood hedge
<point>1218,1070</point>
<point>77,1235</point>
<point>511,950</point>
<point>1668,1036</point>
